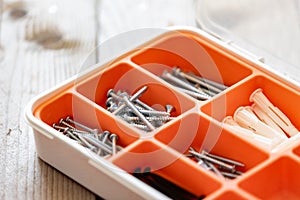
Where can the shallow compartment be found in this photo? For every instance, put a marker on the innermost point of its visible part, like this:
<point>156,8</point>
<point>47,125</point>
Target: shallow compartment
<point>178,49</point>
<point>167,165</point>
<point>209,136</point>
<point>68,104</point>
<point>278,180</point>
<point>283,97</point>
<point>127,78</point>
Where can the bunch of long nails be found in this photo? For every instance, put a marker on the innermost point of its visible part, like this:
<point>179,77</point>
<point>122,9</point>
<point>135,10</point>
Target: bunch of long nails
<point>223,167</point>
<point>102,143</point>
<point>262,121</point>
<point>136,112</point>
<point>193,85</point>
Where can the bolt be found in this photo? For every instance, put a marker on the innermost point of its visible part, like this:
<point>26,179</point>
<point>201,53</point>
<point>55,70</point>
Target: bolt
<point>113,137</point>
<point>223,159</point>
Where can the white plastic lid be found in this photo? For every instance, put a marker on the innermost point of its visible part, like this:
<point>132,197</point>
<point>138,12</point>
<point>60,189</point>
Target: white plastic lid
<point>267,29</point>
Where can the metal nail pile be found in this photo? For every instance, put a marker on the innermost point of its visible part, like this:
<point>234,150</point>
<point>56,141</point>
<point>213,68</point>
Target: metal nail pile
<point>193,85</point>
<point>136,112</point>
<point>223,167</point>
<point>102,143</point>
<point>262,121</point>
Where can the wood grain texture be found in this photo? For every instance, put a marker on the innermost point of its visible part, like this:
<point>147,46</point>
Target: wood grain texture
<point>28,69</point>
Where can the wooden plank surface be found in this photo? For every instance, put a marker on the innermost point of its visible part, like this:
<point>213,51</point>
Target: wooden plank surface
<point>28,69</point>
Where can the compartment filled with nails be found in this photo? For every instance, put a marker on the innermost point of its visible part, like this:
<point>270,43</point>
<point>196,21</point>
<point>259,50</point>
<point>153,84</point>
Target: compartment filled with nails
<point>134,111</point>
<point>193,85</point>
<point>103,143</point>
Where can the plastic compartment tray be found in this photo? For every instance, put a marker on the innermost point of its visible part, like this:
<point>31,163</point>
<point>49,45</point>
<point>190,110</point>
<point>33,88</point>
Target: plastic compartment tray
<point>268,174</point>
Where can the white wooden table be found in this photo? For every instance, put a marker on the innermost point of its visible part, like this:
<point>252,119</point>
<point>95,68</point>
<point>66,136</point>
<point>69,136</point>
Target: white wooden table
<point>28,68</point>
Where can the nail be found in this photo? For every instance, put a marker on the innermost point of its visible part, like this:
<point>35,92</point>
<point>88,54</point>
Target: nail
<point>215,170</point>
<point>196,95</point>
<point>113,137</point>
<point>223,159</point>
<point>98,143</point>
<point>177,72</point>
<point>169,77</point>
<point>96,132</point>
<point>210,82</point>
<point>212,160</point>
<point>229,175</point>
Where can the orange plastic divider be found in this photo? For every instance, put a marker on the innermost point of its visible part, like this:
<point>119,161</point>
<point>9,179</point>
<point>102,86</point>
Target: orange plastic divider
<point>191,56</point>
<point>278,180</point>
<point>230,195</point>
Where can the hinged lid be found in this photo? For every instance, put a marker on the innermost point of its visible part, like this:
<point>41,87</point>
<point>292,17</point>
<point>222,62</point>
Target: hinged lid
<point>267,30</point>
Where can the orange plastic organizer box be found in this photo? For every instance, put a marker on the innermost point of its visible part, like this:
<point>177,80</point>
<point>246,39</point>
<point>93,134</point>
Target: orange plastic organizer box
<point>268,173</point>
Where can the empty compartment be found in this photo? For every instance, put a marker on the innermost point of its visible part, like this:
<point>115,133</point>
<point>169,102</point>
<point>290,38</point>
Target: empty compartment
<point>281,96</point>
<point>191,55</point>
<point>230,195</point>
<point>209,136</point>
<point>153,155</point>
<point>278,180</point>
<point>68,104</point>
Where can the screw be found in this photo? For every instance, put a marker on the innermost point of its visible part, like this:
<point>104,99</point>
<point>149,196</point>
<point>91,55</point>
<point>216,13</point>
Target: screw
<point>169,108</point>
<point>177,72</point>
<point>152,118</point>
<point>113,137</point>
<point>223,159</point>
<point>154,113</point>
<point>132,98</point>
<point>140,115</point>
